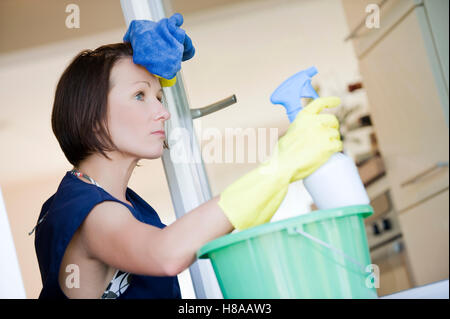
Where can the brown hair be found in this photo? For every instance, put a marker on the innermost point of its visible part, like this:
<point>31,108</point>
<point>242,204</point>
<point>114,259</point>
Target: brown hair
<point>79,116</point>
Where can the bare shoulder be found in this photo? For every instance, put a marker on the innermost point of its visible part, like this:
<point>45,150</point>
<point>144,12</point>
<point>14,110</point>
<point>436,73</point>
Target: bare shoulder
<point>106,221</point>
<point>113,236</point>
<point>107,214</point>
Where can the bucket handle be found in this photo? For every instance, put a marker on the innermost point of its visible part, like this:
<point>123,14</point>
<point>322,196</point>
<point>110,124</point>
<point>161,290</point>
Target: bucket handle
<point>339,252</point>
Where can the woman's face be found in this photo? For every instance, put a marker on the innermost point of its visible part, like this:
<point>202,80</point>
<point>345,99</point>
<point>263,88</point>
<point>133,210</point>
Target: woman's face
<point>135,111</point>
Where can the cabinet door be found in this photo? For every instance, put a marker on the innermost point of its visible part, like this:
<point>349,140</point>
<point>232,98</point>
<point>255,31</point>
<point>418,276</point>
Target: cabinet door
<point>389,14</point>
<point>425,232</point>
<point>407,114</point>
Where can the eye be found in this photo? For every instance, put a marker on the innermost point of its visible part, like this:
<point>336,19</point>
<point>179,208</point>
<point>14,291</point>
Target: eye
<point>140,94</point>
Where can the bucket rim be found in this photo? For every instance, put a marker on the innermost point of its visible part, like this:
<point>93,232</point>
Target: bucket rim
<point>226,240</point>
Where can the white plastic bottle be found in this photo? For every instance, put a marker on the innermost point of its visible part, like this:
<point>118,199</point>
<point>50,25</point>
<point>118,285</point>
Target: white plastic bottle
<point>336,184</point>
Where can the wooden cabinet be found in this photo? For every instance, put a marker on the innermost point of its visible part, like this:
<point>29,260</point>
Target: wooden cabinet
<point>426,236</point>
<point>390,12</point>
<point>407,113</point>
<point>403,73</point>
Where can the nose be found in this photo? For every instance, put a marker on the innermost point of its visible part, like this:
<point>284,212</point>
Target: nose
<point>162,114</point>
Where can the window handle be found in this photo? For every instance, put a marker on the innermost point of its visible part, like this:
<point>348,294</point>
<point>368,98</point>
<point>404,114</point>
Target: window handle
<point>196,113</point>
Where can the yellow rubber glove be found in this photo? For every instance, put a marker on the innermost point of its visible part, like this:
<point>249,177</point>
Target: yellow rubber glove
<point>308,143</point>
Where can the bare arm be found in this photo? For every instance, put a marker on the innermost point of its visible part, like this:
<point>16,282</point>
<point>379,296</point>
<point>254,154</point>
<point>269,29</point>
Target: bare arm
<point>112,235</point>
<point>189,233</point>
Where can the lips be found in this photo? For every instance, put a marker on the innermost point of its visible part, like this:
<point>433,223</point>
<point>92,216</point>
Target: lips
<point>159,133</point>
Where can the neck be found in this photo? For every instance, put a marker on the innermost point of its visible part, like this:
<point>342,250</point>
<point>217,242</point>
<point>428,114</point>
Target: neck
<point>112,175</point>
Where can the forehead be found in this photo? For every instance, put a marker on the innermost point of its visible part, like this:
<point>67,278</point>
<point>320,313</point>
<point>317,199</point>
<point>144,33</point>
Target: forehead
<point>125,72</point>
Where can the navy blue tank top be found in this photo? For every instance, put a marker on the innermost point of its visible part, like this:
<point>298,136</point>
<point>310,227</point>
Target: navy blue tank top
<point>64,212</point>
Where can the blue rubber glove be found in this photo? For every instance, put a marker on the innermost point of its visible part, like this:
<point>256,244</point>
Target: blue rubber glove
<point>160,46</point>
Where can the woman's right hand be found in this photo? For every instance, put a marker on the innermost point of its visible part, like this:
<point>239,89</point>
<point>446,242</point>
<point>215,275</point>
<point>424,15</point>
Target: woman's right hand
<point>310,140</point>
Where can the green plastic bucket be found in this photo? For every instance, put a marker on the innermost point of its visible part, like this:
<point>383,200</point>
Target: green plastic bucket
<point>323,254</point>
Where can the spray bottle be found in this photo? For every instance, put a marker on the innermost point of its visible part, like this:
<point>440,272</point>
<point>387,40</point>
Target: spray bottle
<point>337,182</point>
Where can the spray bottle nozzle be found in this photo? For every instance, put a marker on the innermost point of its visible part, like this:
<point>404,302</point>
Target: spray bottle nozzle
<point>290,92</point>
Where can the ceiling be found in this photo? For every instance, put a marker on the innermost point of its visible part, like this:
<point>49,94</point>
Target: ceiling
<point>29,23</point>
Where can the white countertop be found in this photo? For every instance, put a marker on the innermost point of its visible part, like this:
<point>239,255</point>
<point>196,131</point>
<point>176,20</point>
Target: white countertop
<point>436,290</point>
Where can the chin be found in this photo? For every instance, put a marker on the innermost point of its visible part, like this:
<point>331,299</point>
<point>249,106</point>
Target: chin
<point>157,156</point>
<point>146,151</point>
<point>153,155</point>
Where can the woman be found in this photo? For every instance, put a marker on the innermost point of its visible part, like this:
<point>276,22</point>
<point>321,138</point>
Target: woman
<point>107,115</point>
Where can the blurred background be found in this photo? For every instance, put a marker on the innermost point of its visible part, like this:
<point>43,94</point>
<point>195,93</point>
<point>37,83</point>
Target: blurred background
<point>392,78</point>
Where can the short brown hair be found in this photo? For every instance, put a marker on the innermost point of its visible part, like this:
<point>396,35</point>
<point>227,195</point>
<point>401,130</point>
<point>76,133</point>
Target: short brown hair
<point>79,119</point>
<point>79,116</point>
